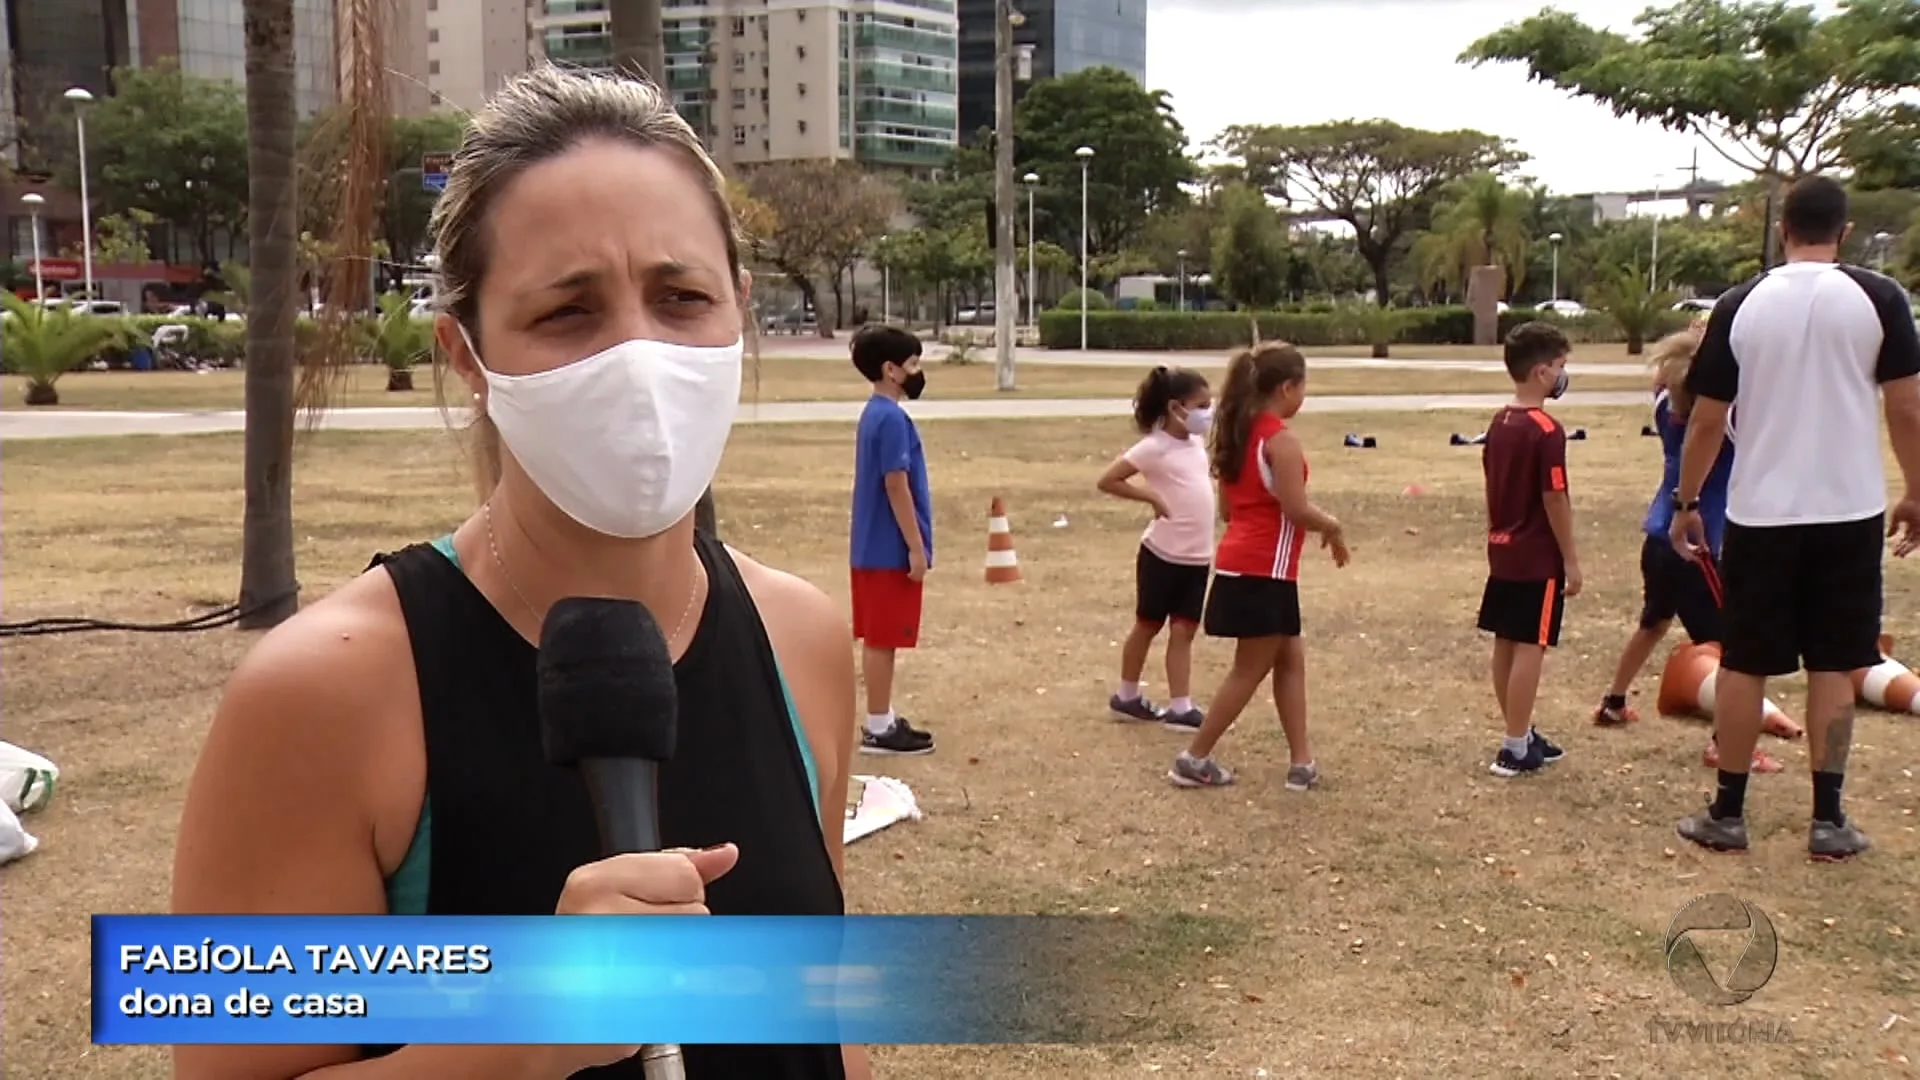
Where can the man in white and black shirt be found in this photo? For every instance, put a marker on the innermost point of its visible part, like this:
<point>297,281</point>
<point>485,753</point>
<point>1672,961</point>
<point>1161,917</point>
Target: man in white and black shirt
<point>1794,365</point>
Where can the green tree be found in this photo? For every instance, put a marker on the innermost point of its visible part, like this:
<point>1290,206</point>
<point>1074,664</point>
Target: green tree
<point>1624,294</point>
<point>171,144</point>
<point>1250,250</point>
<point>1380,178</point>
<point>1139,163</point>
<point>815,206</point>
<point>45,343</point>
<point>269,591</point>
<point>407,206</point>
<point>400,340</point>
<point>119,239</point>
<point>1775,89</point>
<point>1481,222</point>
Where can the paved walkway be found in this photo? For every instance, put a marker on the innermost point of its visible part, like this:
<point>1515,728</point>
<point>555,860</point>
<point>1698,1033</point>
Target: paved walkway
<point>81,424</point>
<point>789,348</point>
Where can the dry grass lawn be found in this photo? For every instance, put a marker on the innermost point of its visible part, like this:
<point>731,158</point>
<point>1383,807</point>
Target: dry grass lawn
<point>781,379</point>
<point>1414,917</point>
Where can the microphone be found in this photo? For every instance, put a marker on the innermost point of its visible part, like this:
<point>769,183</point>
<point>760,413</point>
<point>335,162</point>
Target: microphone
<point>608,706</point>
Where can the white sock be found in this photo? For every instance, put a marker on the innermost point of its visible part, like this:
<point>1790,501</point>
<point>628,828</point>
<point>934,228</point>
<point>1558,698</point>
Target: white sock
<point>879,724</point>
<point>1129,691</point>
<point>1180,705</point>
<point>1516,747</point>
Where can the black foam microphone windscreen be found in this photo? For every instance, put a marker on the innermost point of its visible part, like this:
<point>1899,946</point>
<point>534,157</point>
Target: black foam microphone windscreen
<point>606,683</point>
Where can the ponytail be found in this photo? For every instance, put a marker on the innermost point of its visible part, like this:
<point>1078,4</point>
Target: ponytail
<point>1252,377</point>
<point>1151,400</point>
<point>1159,390</point>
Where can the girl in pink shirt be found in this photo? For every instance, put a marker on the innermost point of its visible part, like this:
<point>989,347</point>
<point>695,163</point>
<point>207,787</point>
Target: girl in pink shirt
<point>1172,410</point>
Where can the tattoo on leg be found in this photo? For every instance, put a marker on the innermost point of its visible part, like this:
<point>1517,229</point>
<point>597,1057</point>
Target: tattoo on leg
<point>1839,741</point>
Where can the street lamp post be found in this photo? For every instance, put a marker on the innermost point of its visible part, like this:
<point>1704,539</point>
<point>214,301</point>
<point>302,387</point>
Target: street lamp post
<point>1554,239</point>
<point>886,283</point>
<point>81,98</point>
<point>1181,255</point>
<point>1880,242</point>
<point>1033,319</point>
<point>35,201</point>
<point>1653,264</point>
<point>1085,154</point>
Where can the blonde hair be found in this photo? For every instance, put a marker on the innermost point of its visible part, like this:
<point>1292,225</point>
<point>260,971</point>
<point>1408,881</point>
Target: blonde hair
<point>1670,359</point>
<point>534,117</point>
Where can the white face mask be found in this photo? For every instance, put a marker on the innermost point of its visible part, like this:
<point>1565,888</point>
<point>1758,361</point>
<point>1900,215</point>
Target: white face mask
<point>1199,422</point>
<point>626,440</point>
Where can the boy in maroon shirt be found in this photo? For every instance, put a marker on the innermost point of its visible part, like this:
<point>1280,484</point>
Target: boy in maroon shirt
<point>1532,566</point>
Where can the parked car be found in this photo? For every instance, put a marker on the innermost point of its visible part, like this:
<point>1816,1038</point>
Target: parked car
<point>1566,309</point>
<point>1700,304</point>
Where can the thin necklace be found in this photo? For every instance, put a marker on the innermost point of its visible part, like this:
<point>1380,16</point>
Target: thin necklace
<point>493,546</point>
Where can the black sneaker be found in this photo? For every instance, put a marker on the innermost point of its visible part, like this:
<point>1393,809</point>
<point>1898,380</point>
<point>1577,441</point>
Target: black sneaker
<point>1135,708</point>
<point>900,739</point>
<point>1508,765</point>
<point>1183,721</point>
<point>1549,753</point>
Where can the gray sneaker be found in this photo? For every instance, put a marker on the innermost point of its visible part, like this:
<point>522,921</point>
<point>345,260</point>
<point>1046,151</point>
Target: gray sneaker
<point>1135,709</point>
<point>1303,777</point>
<point>1831,843</point>
<point>1189,771</point>
<point>1715,834</point>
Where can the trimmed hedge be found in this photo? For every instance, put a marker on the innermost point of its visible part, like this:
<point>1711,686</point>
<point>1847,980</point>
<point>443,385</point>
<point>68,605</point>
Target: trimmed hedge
<point>1207,331</point>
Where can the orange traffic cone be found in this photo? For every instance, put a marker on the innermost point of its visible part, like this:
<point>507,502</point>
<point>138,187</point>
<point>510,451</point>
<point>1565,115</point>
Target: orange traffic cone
<point>1003,566</point>
<point>1687,688</point>
<point>1890,684</point>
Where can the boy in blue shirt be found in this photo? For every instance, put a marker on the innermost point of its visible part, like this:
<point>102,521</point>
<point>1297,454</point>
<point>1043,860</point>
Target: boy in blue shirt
<point>1674,587</point>
<point>892,544</point>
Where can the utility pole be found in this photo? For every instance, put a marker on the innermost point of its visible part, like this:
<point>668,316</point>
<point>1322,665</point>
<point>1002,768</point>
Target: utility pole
<point>1005,298</point>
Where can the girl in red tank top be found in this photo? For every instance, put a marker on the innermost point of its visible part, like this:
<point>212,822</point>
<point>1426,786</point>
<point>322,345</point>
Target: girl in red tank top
<point>1255,599</point>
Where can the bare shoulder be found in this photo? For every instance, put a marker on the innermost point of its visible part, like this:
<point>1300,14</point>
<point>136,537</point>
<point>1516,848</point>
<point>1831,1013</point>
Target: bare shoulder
<point>786,601</point>
<point>311,776</point>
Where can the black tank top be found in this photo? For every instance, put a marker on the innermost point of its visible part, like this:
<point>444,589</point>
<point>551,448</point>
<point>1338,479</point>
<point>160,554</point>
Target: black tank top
<point>507,828</point>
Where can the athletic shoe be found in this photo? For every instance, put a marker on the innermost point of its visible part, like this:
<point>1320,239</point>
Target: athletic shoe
<point>1549,753</point>
<point>1832,843</point>
<point>1714,834</point>
<point>1189,771</point>
<point>1763,762</point>
<point>1138,708</point>
<point>1608,716</point>
<point>1303,777</point>
<point>1508,765</point>
<point>900,739</point>
<point>1183,721</point>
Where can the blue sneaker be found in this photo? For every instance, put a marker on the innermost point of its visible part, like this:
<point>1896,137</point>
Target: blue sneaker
<point>1549,753</point>
<point>1508,765</point>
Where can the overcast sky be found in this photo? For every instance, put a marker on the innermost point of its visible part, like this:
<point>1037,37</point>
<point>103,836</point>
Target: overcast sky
<point>1306,61</point>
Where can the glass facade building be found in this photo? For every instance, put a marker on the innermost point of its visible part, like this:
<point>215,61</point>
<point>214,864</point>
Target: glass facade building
<point>1065,35</point>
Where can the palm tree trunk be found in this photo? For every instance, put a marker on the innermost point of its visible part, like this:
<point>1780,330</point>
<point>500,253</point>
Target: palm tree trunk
<point>269,593</point>
<point>638,44</point>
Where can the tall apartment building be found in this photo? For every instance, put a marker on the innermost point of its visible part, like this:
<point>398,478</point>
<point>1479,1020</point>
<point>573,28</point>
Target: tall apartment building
<point>207,38</point>
<point>874,81</point>
<point>453,54</point>
<point>1065,35</point>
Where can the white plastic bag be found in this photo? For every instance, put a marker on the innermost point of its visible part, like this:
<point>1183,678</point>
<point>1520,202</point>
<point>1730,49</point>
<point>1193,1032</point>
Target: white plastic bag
<point>884,801</point>
<point>26,779</point>
<point>14,840</point>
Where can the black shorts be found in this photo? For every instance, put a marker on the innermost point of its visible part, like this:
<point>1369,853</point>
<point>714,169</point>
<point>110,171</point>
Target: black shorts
<point>1802,594</point>
<point>1527,612</point>
<point>1241,606</point>
<point>1674,587</point>
<point>1168,590</point>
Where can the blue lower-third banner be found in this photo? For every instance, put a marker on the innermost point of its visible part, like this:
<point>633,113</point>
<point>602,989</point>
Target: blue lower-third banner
<point>381,980</point>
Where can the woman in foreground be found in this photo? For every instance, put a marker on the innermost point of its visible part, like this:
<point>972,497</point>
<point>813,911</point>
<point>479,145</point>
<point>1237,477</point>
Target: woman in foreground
<point>380,752</point>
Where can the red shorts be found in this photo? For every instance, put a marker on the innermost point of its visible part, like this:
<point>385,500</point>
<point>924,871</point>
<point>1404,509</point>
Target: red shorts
<point>886,608</point>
